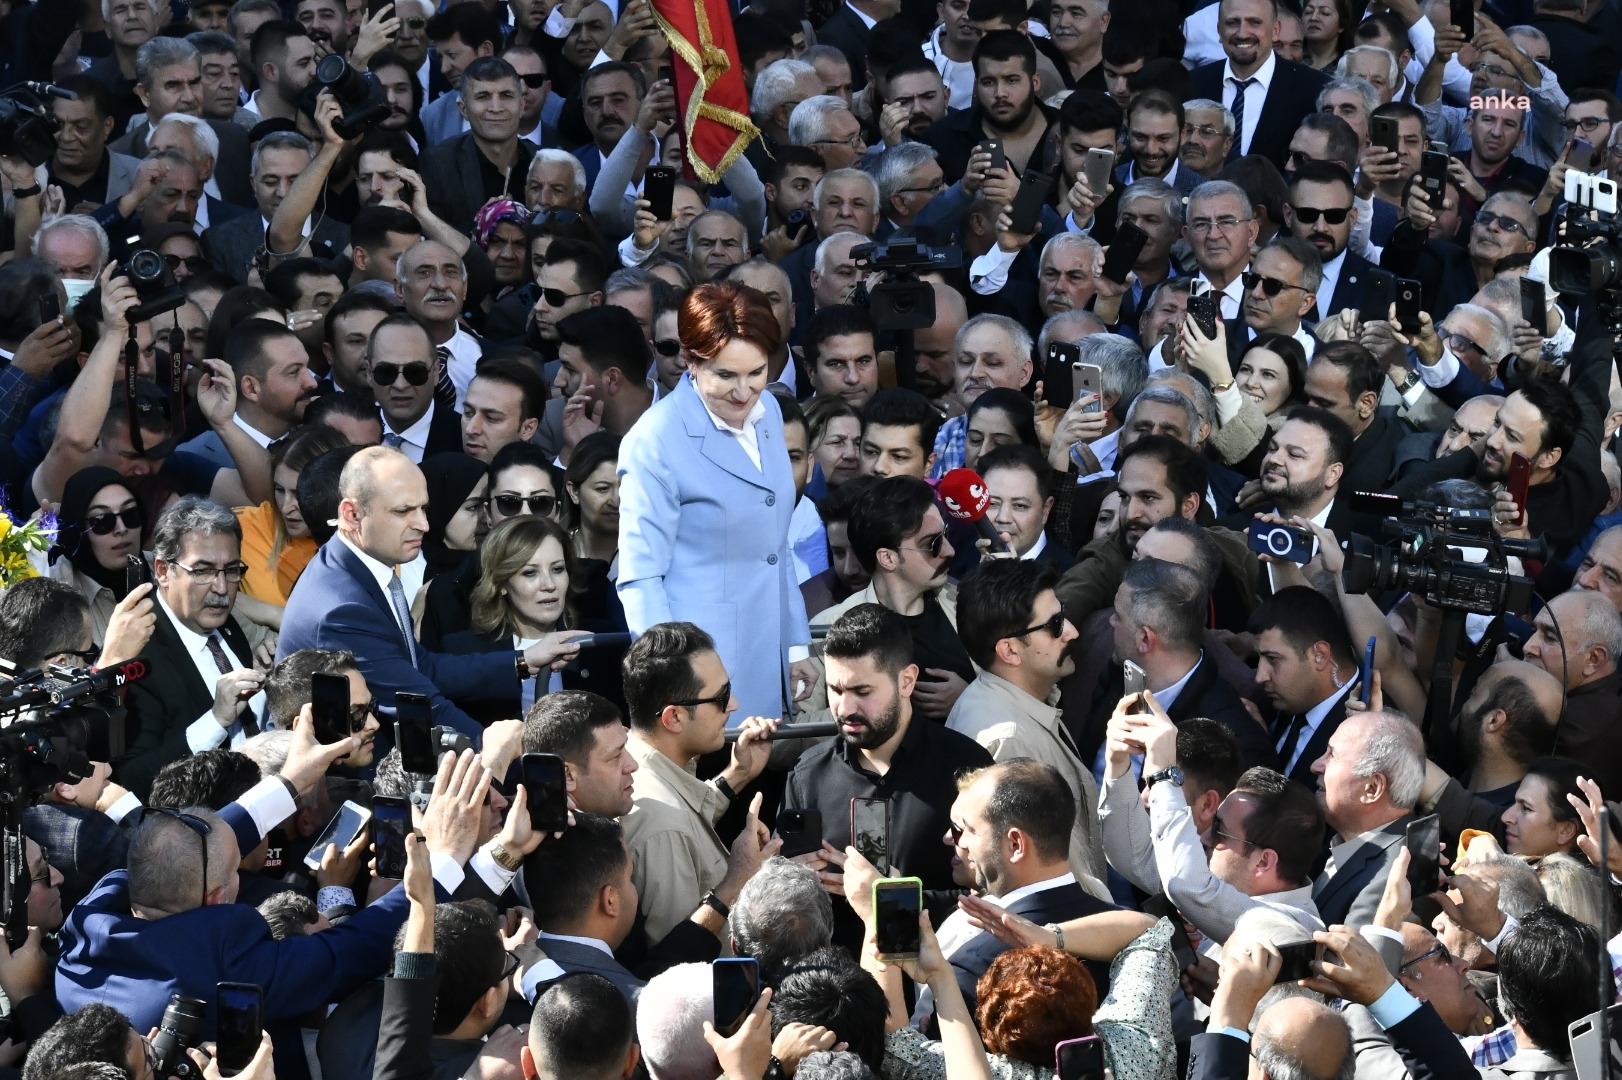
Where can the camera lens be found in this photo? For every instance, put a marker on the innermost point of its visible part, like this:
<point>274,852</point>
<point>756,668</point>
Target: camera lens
<point>145,266</point>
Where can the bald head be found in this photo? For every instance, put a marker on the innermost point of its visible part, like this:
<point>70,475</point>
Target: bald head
<point>166,863</point>
<point>1298,1037</point>
<point>383,505</point>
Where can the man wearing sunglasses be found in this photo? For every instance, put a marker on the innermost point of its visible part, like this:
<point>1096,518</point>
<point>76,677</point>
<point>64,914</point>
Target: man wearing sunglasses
<point>403,369</point>
<point>1322,212</point>
<point>1281,286</point>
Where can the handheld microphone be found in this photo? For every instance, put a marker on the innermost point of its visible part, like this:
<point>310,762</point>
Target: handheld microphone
<point>791,731</point>
<point>593,640</point>
<point>964,496</point>
<point>52,90</point>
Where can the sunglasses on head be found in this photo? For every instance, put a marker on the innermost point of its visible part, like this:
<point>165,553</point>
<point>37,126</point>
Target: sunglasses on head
<point>385,374</point>
<point>534,79</point>
<point>513,505</point>
<point>667,346</point>
<point>103,524</point>
<point>1332,215</point>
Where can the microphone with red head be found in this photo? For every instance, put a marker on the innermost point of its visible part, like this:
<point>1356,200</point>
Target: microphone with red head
<point>964,497</point>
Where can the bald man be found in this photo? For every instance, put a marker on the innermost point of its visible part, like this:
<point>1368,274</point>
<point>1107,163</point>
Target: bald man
<point>351,597</point>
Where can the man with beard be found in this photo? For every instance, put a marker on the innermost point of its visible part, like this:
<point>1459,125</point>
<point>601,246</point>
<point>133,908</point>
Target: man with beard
<point>274,385</point>
<point>917,94</point>
<point>1321,211</point>
<point>491,151</point>
<point>1207,137</point>
<point>1154,123</point>
<point>886,752</point>
<point>1007,107</point>
<point>1302,471</point>
<point>284,62</point>
<point>1267,95</point>
<point>326,23</point>
<point>398,81</point>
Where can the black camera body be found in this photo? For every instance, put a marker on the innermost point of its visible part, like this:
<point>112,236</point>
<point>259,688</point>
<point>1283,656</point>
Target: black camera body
<point>359,94</point>
<point>27,128</point>
<point>902,302</point>
<point>1588,258</point>
<point>180,1030</point>
<point>1425,557</point>
<point>153,281</point>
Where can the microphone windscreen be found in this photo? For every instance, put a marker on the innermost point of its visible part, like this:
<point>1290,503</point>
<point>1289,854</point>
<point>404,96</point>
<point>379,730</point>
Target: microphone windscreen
<point>963,495</point>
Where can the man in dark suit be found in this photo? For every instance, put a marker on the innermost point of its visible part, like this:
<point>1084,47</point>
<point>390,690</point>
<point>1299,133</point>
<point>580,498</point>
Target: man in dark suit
<point>1345,379</point>
<point>487,161</point>
<point>610,98</point>
<point>1321,212</point>
<point>413,421</point>
<point>584,902</point>
<point>1368,815</point>
<point>1306,667</point>
<point>277,161</point>
<point>1014,844</point>
<point>351,597</point>
<point>1302,472</point>
<point>201,691</point>
<point>1266,94</point>
<point>848,30</point>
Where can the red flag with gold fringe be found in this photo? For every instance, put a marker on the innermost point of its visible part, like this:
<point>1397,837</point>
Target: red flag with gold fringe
<point>712,103</point>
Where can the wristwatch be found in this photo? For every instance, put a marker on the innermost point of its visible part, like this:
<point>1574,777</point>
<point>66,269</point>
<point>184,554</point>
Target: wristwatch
<point>505,859</point>
<point>724,788</point>
<point>520,664</point>
<point>1171,772</point>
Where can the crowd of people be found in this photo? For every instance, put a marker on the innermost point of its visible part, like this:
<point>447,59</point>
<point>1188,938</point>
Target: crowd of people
<point>372,345</point>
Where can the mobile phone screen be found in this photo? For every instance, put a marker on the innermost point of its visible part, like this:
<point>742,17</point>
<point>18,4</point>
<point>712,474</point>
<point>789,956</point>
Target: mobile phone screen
<point>896,905</point>
<point>393,817</point>
<point>414,732</point>
<point>329,706</point>
<point>548,790</point>
<point>870,830</point>
<point>237,1025</point>
<point>736,986</point>
<point>1424,855</point>
<point>350,819</point>
<point>659,188</point>
<point>1080,1059</point>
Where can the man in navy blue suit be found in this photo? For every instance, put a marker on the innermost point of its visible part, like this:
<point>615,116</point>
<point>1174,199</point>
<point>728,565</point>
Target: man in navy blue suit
<point>350,597</point>
<point>170,923</point>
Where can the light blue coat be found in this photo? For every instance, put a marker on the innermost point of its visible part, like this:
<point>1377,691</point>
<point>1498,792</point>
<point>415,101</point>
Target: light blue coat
<point>704,538</point>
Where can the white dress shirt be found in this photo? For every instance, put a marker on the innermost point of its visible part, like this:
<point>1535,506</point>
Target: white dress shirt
<point>465,352</point>
<point>1255,96</point>
<point>205,732</point>
<point>253,433</point>
<point>1331,279</point>
<point>382,573</point>
<point>414,439</point>
<point>748,437</point>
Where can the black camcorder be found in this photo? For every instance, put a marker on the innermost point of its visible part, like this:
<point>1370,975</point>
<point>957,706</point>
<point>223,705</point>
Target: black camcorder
<point>1588,258</point>
<point>1426,557</point>
<point>902,302</point>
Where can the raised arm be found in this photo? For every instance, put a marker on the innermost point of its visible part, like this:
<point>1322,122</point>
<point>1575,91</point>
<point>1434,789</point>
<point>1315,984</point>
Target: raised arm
<point>285,238</point>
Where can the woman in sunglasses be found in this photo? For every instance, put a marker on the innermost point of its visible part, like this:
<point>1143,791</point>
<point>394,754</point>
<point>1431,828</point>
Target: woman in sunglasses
<point>522,480</point>
<point>526,591</point>
<point>276,544</point>
<point>456,527</point>
<point>98,529</point>
<point>706,497</point>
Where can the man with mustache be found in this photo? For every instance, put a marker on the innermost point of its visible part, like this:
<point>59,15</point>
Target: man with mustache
<point>917,93</point>
<point>1302,471</point>
<point>991,351</point>
<point>274,385</point>
<point>1266,94</point>
<point>432,285</point>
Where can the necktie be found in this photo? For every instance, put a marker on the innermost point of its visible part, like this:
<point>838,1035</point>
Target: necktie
<point>402,612</point>
<point>250,727</point>
<point>392,441</point>
<point>1238,110</point>
<point>1292,735</point>
<point>444,390</point>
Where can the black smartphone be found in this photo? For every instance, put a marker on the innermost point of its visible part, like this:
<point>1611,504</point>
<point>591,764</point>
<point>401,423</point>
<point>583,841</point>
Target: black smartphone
<point>735,985</point>
<point>1535,305</point>
<point>1432,176</point>
<point>135,572</point>
<point>238,1024</point>
<point>414,734</point>
<point>1365,674</point>
<point>392,813</point>
<point>1026,210</point>
<point>801,831</point>
<point>1424,855</point>
<point>1298,960</point>
<point>897,903</point>
<point>1058,385</point>
<point>1123,252</point>
<point>345,825</point>
<point>870,830</point>
<point>1281,541</point>
<point>50,307</point>
<point>329,706</point>
<point>1383,132</point>
<point>1462,13</point>
<point>548,790</point>
<point>1080,1059</point>
<point>1379,289</point>
<point>659,188</point>
<point>1409,302</point>
<point>1203,309</point>
<point>999,160</point>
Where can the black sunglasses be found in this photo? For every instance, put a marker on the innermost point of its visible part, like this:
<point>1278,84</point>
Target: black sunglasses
<point>557,297</point>
<point>932,546</point>
<point>667,346</point>
<point>385,374</point>
<point>1054,626</point>
<point>534,79</point>
<point>196,825</point>
<point>194,263</point>
<point>720,699</point>
<point>1271,286</point>
<point>1333,215</point>
<point>103,524</point>
<point>513,505</point>
<point>359,714</point>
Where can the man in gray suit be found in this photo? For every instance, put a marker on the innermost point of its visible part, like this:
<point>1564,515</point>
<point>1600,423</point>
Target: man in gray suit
<point>1368,782</point>
<point>585,902</point>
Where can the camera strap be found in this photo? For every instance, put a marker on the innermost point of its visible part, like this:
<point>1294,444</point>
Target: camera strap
<point>132,363</point>
<point>177,378</point>
<point>177,394</point>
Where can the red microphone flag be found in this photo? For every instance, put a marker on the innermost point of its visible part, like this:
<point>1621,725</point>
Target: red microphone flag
<point>710,95</point>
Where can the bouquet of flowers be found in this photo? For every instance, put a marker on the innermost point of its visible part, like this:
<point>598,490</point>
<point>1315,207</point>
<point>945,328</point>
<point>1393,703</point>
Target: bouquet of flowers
<point>18,542</point>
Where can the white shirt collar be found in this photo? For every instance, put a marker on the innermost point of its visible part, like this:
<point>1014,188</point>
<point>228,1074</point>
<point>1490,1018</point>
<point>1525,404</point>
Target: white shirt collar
<point>1036,548</point>
<point>756,414</point>
<point>861,15</point>
<point>416,434</point>
<point>1263,75</point>
<point>382,572</point>
<point>590,942</point>
<point>253,433</point>
<point>1009,899</point>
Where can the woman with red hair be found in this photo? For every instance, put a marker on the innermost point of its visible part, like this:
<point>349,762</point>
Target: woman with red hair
<point>706,494</point>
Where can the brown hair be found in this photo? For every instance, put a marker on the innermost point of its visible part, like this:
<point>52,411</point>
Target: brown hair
<point>506,550</point>
<point>1031,999</point>
<point>719,312</point>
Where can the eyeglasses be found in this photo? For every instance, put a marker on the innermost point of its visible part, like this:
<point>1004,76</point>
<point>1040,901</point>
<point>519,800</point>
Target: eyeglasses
<point>1458,343</point>
<point>386,374</point>
<point>668,346</point>
<point>1270,286</point>
<point>1205,131</point>
<point>933,189</point>
<point>557,297</point>
<point>854,142</point>
<point>1054,627</point>
<point>1586,123</point>
<point>44,875</point>
<point>508,966</point>
<point>1232,839</point>
<point>534,79</point>
<point>1332,215</point>
<point>1500,221</point>
<point>1492,71</point>
<point>1202,226</point>
<point>1447,957</point>
<point>415,22</point>
<point>232,572</point>
<point>103,524</point>
<point>513,505</point>
<point>931,546</point>
<point>194,263</point>
<point>359,714</point>
<point>721,699</point>
<point>196,825</point>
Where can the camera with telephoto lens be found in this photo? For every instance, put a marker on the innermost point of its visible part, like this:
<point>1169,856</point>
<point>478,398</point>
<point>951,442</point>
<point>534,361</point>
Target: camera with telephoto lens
<point>1427,556</point>
<point>153,281</point>
<point>902,302</point>
<point>357,91</point>
<point>180,1030</point>
<point>27,128</point>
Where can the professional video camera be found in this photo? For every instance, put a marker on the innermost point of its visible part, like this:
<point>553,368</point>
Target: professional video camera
<point>27,128</point>
<point>357,91</point>
<point>902,302</point>
<point>1427,557</point>
<point>1588,258</point>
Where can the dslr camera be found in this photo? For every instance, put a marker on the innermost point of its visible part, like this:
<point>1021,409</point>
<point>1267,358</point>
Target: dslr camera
<point>359,94</point>
<point>153,282</point>
<point>180,1030</point>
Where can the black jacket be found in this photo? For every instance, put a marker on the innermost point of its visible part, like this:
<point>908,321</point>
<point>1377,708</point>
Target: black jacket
<point>1292,94</point>
<point>596,669</point>
<point>970,960</point>
<point>456,183</point>
<point>955,135</point>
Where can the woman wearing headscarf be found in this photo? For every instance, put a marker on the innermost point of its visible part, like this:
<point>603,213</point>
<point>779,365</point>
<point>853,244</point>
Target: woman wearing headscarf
<point>98,528</point>
<point>501,231</point>
<point>456,526</point>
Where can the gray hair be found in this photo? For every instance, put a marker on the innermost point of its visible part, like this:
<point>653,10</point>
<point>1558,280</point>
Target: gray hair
<point>1394,749</point>
<point>776,85</point>
<point>1304,255</point>
<point>1066,240</point>
<point>107,8</point>
<point>213,42</point>
<point>1278,1063</point>
<point>1020,336</point>
<point>166,862</point>
<point>1357,85</point>
<point>1597,623</point>
<point>1171,203</point>
<point>191,515</point>
<point>781,915</point>
<point>1574,887</point>
<point>82,224</point>
<point>1214,106</point>
<point>809,120</point>
<point>1204,557</point>
<point>1166,395</point>
<point>162,52</point>
<point>1170,598</point>
<point>670,1016</point>
<point>824,52</point>
<point>822,256</point>
<point>1530,33</point>
<point>560,157</point>
<point>205,140</point>
<point>268,749</point>
<point>1502,342</point>
<point>1071,325</point>
<point>895,167</point>
<point>1220,189</point>
<point>1195,392</point>
<point>713,214</point>
<point>1121,363</point>
<point>279,140</point>
<point>833,1065</point>
<point>844,174</point>
<point>1392,71</point>
<point>628,279</point>
<point>1519,888</point>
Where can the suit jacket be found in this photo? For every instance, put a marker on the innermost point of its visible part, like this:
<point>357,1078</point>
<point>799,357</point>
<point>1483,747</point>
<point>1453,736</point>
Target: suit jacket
<point>230,168</point>
<point>164,704</point>
<point>455,183</point>
<point>1292,94</point>
<point>219,211</point>
<point>704,536</point>
<point>1352,893</point>
<point>1184,184</point>
<point>1348,288</point>
<point>1207,694</point>
<point>1215,1055</point>
<point>846,32</point>
<point>120,175</point>
<point>441,119</point>
<point>85,845</point>
<point>596,670</point>
<point>1317,745</point>
<point>404,1031</point>
<point>572,956</point>
<point>970,960</point>
<point>337,604</point>
<point>230,244</point>
<point>591,160</point>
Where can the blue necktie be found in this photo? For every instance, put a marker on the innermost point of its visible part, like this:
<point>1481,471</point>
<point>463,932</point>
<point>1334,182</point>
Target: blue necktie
<point>402,611</point>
